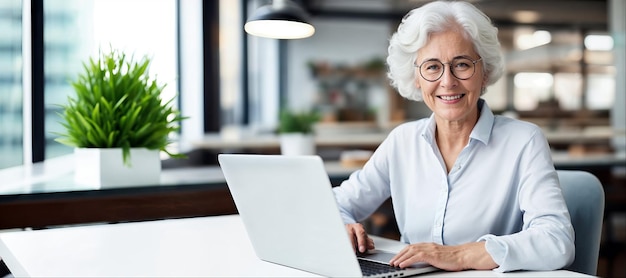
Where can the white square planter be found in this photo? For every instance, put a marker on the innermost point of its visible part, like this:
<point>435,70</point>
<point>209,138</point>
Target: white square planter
<point>105,167</point>
<point>297,144</point>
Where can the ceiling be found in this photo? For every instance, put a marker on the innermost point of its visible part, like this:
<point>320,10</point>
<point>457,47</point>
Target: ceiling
<point>546,14</point>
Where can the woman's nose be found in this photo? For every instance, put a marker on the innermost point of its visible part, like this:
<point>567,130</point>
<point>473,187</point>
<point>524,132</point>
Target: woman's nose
<point>448,80</point>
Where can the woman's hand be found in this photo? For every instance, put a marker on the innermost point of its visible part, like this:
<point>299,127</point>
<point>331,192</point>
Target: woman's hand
<point>360,241</point>
<point>452,258</point>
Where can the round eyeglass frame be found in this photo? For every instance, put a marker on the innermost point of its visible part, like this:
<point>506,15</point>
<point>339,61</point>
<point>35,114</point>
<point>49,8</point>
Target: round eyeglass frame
<point>419,67</point>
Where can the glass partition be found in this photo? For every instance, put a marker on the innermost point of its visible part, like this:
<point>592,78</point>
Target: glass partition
<point>11,97</point>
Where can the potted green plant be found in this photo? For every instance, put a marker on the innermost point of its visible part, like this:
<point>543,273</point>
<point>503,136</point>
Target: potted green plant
<point>296,132</point>
<point>118,122</point>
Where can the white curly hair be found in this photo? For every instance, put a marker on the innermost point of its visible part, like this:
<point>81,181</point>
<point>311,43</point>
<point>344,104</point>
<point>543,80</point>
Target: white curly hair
<point>413,33</point>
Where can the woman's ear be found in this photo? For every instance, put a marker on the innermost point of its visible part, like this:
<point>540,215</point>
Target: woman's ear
<point>485,79</point>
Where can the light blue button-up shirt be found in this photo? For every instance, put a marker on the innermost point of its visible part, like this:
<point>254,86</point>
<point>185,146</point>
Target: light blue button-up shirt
<point>503,189</point>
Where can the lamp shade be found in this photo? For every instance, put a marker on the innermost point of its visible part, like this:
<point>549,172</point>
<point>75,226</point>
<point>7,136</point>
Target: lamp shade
<point>280,20</point>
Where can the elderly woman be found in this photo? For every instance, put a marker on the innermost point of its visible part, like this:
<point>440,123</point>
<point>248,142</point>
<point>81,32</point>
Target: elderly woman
<point>470,190</point>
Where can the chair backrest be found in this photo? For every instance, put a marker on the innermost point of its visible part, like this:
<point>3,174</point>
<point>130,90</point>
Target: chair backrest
<point>584,196</point>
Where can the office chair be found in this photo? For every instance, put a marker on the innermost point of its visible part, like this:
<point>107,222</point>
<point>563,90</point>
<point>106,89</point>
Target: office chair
<point>584,196</point>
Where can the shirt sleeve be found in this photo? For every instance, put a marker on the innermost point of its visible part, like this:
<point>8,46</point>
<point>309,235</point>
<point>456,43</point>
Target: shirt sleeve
<point>546,241</point>
<point>366,189</point>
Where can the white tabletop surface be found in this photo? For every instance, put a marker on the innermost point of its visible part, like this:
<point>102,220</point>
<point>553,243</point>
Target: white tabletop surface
<point>202,247</point>
<point>56,175</point>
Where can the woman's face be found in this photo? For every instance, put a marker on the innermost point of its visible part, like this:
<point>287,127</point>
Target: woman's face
<point>450,98</point>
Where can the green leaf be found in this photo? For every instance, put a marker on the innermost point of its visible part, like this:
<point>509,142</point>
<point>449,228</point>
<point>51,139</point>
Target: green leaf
<point>297,121</point>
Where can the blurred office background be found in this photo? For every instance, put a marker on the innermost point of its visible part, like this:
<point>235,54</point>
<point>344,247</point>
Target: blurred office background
<point>564,59</point>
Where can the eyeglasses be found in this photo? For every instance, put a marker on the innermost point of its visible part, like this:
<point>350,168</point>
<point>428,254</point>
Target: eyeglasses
<point>462,68</point>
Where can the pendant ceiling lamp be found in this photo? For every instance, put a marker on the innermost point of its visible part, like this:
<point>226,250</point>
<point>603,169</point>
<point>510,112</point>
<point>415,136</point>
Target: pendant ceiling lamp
<point>282,19</point>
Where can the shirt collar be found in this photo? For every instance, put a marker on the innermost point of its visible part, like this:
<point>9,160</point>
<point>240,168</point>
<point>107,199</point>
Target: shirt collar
<point>481,131</point>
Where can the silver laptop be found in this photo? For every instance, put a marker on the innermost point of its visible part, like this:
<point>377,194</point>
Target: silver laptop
<point>288,208</point>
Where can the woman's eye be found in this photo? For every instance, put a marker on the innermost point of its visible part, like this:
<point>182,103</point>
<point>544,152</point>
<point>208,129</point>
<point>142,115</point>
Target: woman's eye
<point>462,65</point>
<point>433,67</point>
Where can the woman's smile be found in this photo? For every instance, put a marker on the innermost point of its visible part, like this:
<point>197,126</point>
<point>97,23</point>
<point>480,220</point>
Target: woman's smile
<point>451,98</point>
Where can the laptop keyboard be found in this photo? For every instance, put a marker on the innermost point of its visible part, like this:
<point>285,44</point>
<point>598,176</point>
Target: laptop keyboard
<point>370,268</point>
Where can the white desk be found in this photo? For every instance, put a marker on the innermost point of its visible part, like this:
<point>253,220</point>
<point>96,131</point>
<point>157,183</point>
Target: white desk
<point>202,247</point>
